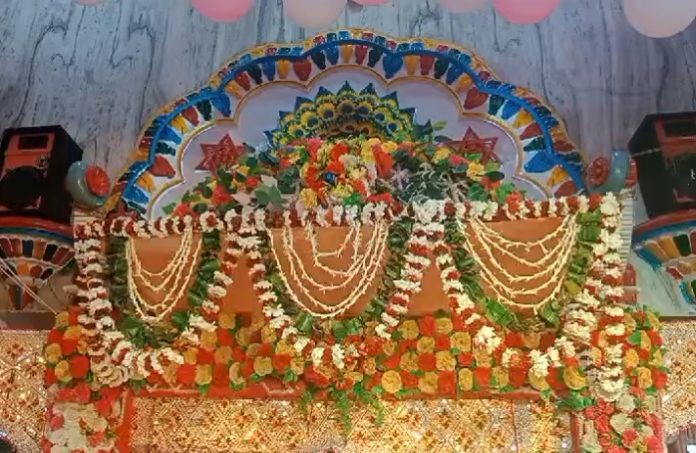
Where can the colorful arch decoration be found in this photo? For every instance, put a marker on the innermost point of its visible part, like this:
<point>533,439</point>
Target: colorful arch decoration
<point>549,158</point>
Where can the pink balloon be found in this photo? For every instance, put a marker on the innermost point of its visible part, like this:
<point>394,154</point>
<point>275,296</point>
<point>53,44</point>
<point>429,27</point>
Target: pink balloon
<point>525,11</point>
<point>371,2</point>
<point>660,18</point>
<point>463,6</point>
<point>223,10</point>
<point>88,2</point>
<point>314,13</point>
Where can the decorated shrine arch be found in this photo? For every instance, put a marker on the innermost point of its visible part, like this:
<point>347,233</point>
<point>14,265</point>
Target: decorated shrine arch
<point>358,222</point>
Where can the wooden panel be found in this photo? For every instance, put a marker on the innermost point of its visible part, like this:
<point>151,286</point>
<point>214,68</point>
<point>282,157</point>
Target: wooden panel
<point>102,71</point>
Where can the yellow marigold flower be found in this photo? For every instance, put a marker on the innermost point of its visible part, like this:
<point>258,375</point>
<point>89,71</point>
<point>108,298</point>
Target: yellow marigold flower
<point>443,326</point>
<point>409,361</point>
<point>531,340</point>
<point>169,375</point>
<point>538,381</point>
<point>268,334</point>
<point>223,354</point>
<point>654,320</point>
<point>630,323</point>
<point>342,191</point>
<point>62,319</point>
<point>500,376</point>
<point>263,366</point>
<point>208,339</point>
<point>308,198</point>
<point>389,347</point>
<point>441,154</point>
<point>657,359</point>
<point>631,358</point>
<point>645,342</point>
<point>243,169</point>
<point>297,365</point>
<point>53,353</point>
<point>370,366</point>
<point>475,170</point>
<point>253,349</point>
<point>62,371</point>
<point>466,379</point>
<point>355,376</point>
<point>483,358</point>
<point>283,347</point>
<point>235,374</point>
<point>573,379</point>
<point>596,355</point>
<point>461,341</point>
<point>409,329</point>
<point>204,374</point>
<point>391,382</point>
<point>389,146</point>
<point>243,336</point>
<point>644,377</point>
<point>428,383</point>
<point>425,344</point>
<point>72,333</point>
<point>191,356</point>
<point>227,320</point>
<point>444,361</point>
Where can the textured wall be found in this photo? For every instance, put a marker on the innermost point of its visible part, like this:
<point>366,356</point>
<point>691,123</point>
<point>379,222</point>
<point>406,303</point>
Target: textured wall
<point>102,71</point>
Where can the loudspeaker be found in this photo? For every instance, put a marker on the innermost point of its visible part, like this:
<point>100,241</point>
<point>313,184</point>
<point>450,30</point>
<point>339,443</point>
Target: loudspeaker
<point>34,162</point>
<point>664,149</point>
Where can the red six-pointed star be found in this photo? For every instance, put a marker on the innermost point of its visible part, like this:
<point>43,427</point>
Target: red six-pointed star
<point>222,154</point>
<point>471,143</point>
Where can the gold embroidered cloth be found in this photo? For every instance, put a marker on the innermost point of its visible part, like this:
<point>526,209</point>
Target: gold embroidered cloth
<point>216,425</point>
<point>679,401</point>
<point>22,395</point>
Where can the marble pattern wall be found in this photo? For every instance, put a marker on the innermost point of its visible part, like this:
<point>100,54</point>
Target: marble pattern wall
<point>102,71</point>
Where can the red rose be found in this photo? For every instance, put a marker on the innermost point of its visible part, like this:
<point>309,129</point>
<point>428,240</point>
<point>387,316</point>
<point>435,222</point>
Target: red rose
<point>406,345</point>
<point>426,324</point>
<point>224,336</point>
<point>79,366</point>
<point>644,354</point>
<point>482,375</point>
<point>514,340</point>
<point>252,182</point>
<point>392,362</point>
<point>547,340</point>
<point>68,346</point>
<point>517,377</point>
<point>373,346</point>
<point>50,377</point>
<point>221,375</point>
<point>248,368</point>
<point>206,357</point>
<point>281,362</point>
<point>81,393</point>
<point>442,343</point>
<point>336,167</point>
<point>359,186</point>
<point>385,198</point>
<point>266,350</point>
<point>384,162</point>
<point>465,360</point>
<point>659,379</point>
<point>595,201</point>
<point>654,444</point>
<point>56,422</point>
<point>555,379</point>
<point>221,195</point>
<point>458,323</point>
<point>54,336</point>
<point>96,438</point>
<point>338,150</point>
<point>408,379</point>
<point>629,437</point>
<point>456,160</point>
<point>592,412</point>
<point>655,337</point>
<point>97,181</point>
<point>186,374</point>
<point>313,145</point>
<point>602,424</point>
<point>427,361</point>
<point>316,378</point>
<point>238,354</point>
<point>447,383</point>
<point>103,407</point>
<point>183,210</point>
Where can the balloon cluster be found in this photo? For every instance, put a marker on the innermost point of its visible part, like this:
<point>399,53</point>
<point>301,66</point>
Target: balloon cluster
<point>654,18</point>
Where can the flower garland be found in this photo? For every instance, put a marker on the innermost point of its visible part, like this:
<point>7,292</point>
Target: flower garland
<point>480,345</point>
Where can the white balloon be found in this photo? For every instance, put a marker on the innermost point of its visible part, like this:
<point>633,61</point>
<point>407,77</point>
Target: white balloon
<point>660,18</point>
<point>314,13</point>
<point>463,6</point>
